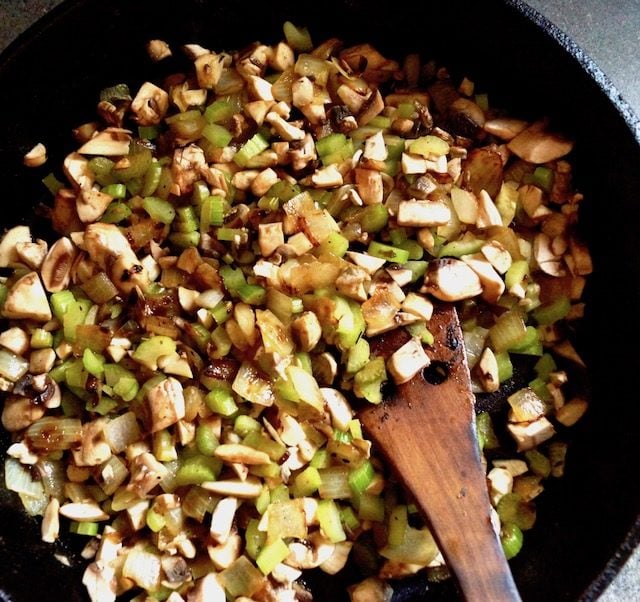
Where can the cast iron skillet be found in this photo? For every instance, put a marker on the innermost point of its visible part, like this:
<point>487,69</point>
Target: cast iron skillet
<point>587,522</point>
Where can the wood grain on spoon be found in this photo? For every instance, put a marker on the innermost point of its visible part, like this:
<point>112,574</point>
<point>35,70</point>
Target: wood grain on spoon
<point>426,431</point>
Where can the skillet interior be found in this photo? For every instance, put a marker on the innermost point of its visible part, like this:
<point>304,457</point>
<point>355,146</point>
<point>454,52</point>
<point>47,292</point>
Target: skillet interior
<point>50,79</point>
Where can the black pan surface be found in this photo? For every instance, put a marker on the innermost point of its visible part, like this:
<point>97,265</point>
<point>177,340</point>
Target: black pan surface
<point>587,522</point>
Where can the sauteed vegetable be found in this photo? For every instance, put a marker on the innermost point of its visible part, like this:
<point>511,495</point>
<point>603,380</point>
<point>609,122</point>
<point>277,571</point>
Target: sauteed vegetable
<point>181,365</point>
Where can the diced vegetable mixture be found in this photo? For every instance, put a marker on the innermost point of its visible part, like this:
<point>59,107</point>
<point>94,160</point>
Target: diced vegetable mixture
<point>181,367</point>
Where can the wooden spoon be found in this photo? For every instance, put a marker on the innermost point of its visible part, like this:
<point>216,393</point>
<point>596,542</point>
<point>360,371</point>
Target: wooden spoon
<point>426,430</point>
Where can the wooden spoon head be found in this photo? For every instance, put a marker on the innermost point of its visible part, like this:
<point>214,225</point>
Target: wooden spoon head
<point>426,430</point>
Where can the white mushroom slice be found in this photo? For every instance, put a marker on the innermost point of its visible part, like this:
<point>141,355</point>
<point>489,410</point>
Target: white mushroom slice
<point>501,483</point>
<point>236,452</point>
<point>235,487</point>
<point>150,104</point>
<point>401,276</point>
<point>56,267</point>
<point>283,573</point>
<point>21,452</point>
<point>258,109</point>
<point>492,284</point>
<point>309,555</point>
<point>451,279</point>
<point>207,589</point>
<point>421,214</point>
<point>146,473</point>
<point>418,305</point>
<point>91,204</point>
<point>223,555</point>
<point>497,256</point>
<point>8,251</point>
<point>302,154</point>
<point>222,518</point>
<point>76,168</point>
<point>259,88</point>
<point>32,254</point>
<point>285,130</point>
<point>36,157</point>
<point>209,67</point>
<point>337,561</point>
<point>302,91</point>
<point>369,185</point>
<point>83,512</point>
<point>307,330</point>
<point>537,145</point>
<point>353,282</point>
<point>529,435</point>
<point>407,361</point>
<point>158,50</point>
<point>339,408</point>
<point>242,180</point>
<point>327,177</point>
<point>188,298</point>
<point>291,433</point>
<point>369,263</point>
<point>547,260</point>
<point>488,214</point>
<point>411,164</point>
<point>109,248</point>
<point>50,528</point>
<point>100,582</point>
<point>15,339</point>
<point>505,128</point>
<point>110,142</point>
<point>166,404</point>
<point>487,371</point>
<point>375,148</point>
<point>325,368</point>
<point>27,300</point>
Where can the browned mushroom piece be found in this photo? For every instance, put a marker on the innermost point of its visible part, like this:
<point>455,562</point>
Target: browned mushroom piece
<point>537,144</point>
<point>482,170</point>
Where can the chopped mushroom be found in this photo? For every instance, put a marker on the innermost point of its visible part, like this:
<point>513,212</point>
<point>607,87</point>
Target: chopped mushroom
<point>110,142</point>
<point>407,361</point>
<point>529,435</point>
<point>158,50</point>
<point>27,300</point>
<point>538,145</point>
<point>150,104</point>
<point>56,267</point>
<point>420,214</point>
<point>452,280</point>
<point>36,157</point>
<point>166,404</point>
<point>8,246</point>
<point>91,204</point>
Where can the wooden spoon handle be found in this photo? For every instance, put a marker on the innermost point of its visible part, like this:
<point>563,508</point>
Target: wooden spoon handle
<point>427,432</point>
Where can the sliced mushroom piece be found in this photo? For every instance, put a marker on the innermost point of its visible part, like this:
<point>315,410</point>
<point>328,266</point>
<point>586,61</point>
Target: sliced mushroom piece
<point>369,185</point>
<point>407,361</point>
<point>529,435</point>
<point>146,473</point>
<point>492,284</point>
<point>285,130</point>
<point>158,50</point>
<point>166,404</point>
<point>56,267</point>
<point>32,253</point>
<point>339,408</point>
<point>83,512</point>
<point>222,519</point>
<point>482,170</point>
<point>27,300</point>
<point>505,128</point>
<point>248,489</point>
<point>15,339</point>
<point>309,554</point>
<point>422,214</point>
<point>91,204</point>
<point>110,142</point>
<point>238,453</point>
<point>327,177</point>
<point>538,145</point>
<point>209,67</point>
<point>547,260</point>
<point>36,157</point>
<point>76,168</point>
<point>19,412</point>
<point>451,279</point>
<point>487,371</point>
<point>8,246</point>
<point>466,118</point>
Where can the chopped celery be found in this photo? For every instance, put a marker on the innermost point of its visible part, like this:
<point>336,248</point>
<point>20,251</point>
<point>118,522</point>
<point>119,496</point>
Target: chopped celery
<point>374,218</point>
<point>398,524</point>
<point>392,254</point>
<point>254,538</point>
<point>307,482</point>
<point>298,38</point>
<point>486,436</point>
<point>252,147</point>
<point>371,507</point>
<point>328,515</point>
<point>159,209</point>
<point>93,362</point>
<point>220,400</point>
<point>358,355</point>
<point>368,381</point>
<point>84,528</point>
<point>552,312</point>
<point>198,469</point>
<point>271,555</point>
<point>219,111</point>
<point>511,539</point>
<point>361,477</point>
